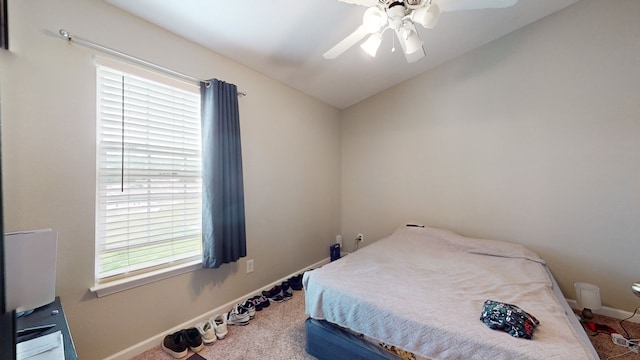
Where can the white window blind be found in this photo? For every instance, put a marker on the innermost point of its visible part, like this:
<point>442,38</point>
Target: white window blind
<point>148,197</point>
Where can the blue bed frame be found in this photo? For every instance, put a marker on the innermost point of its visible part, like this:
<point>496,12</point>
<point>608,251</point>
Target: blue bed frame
<point>328,342</point>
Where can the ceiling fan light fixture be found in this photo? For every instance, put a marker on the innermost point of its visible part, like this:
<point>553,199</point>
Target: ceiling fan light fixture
<point>427,16</point>
<point>371,45</point>
<point>412,42</point>
<point>373,19</point>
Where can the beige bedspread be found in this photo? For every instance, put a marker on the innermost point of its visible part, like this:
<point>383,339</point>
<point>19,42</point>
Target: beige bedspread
<point>422,290</point>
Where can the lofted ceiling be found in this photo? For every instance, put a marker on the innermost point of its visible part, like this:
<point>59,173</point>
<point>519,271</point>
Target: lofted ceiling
<point>285,39</point>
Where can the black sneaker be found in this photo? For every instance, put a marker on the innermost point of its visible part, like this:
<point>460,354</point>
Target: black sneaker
<point>296,282</point>
<point>194,339</point>
<point>287,293</point>
<point>250,308</point>
<point>256,303</point>
<point>263,301</point>
<point>275,294</point>
<point>176,345</point>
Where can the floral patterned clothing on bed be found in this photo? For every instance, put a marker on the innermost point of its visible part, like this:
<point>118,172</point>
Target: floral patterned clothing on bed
<point>509,318</point>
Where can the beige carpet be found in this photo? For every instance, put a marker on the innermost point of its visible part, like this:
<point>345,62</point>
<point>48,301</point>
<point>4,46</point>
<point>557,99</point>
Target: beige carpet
<point>277,332</point>
<point>604,345</point>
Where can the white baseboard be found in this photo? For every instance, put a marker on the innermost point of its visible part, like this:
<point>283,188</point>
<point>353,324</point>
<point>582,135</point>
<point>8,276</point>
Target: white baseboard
<point>153,341</point>
<point>608,311</point>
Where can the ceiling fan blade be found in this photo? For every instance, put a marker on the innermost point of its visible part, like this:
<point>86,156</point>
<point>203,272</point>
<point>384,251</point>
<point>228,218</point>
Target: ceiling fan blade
<point>346,43</point>
<point>455,5</point>
<point>368,3</point>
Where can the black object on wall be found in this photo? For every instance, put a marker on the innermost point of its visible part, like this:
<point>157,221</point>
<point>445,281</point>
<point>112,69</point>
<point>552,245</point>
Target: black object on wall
<point>4,25</point>
<point>8,316</point>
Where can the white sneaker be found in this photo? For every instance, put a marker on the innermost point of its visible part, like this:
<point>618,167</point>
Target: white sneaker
<point>207,332</point>
<point>219,323</point>
<point>237,316</point>
<point>249,308</point>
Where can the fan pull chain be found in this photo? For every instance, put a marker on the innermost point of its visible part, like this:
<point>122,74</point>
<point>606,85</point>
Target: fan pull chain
<point>393,47</point>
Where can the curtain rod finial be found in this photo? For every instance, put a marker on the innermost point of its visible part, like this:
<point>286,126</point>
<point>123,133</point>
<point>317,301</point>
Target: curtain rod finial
<point>65,34</point>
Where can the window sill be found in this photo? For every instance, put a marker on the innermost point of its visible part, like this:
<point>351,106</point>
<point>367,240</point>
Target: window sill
<point>113,287</point>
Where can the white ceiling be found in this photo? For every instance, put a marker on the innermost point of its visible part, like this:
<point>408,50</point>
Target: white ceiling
<point>285,39</point>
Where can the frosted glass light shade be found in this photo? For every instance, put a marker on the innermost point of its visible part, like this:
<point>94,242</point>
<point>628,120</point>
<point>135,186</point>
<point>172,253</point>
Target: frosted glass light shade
<point>372,44</point>
<point>412,43</point>
<point>427,16</point>
<point>587,296</point>
<point>373,19</point>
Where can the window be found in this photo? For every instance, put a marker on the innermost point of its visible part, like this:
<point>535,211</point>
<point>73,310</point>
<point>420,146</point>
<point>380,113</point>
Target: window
<point>148,196</point>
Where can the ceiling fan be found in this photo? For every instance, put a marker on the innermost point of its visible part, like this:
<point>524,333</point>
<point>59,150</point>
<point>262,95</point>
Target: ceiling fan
<point>401,17</point>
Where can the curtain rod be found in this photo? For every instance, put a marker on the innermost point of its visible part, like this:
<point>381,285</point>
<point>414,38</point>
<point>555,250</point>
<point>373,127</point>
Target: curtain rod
<point>72,38</point>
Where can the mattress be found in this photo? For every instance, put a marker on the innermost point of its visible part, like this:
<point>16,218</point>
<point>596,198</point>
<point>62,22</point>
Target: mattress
<point>422,290</point>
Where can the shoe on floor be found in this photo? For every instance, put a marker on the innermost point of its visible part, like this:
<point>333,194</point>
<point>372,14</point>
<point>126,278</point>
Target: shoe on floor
<point>296,282</point>
<point>193,338</point>
<point>257,305</point>
<point>237,316</point>
<point>250,308</point>
<point>263,301</point>
<point>175,345</point>
<point>207,332</point>
<point>219,323</point>
<point>287,293</point>
<point>275,294</point>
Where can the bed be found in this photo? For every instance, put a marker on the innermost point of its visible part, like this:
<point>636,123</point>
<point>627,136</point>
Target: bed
<point>419,293</point>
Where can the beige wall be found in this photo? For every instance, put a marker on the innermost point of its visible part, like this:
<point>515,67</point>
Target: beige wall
<point>534,138</point>
<point>291,150</point>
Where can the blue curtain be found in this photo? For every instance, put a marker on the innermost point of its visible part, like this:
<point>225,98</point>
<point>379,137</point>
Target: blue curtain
<point>223,223</point>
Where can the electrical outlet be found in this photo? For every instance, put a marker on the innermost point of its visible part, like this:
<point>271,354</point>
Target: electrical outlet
<point>360,237</point>
<point>249,266</point>
<point>339,240</point>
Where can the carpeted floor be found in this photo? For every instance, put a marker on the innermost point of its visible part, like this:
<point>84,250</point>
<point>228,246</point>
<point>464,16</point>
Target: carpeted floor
<point>277,332</point>
<point>604,345</point>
